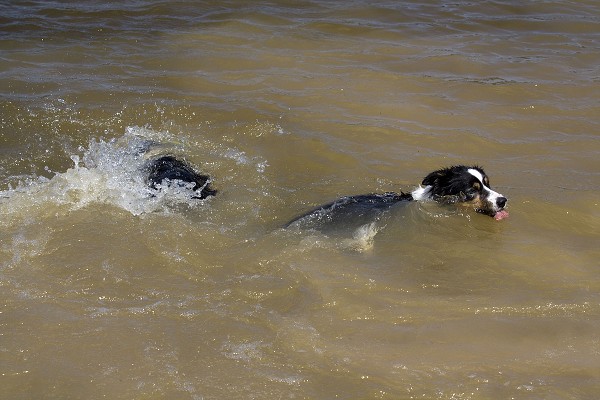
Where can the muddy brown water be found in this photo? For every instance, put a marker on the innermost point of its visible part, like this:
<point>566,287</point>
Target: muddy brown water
<point>106,292</point>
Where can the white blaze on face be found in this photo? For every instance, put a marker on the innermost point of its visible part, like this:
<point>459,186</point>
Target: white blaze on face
<point>492,196</point>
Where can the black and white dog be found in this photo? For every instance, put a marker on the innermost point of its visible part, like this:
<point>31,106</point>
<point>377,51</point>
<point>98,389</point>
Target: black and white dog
<point>168,170</point>
<point>461,185</point>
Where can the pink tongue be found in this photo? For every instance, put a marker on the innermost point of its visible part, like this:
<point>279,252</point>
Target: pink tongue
<point>501,215</point>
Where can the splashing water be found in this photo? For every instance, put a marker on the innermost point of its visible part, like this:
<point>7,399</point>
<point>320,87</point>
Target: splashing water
<point>108,172</point>
<point>363,238</point>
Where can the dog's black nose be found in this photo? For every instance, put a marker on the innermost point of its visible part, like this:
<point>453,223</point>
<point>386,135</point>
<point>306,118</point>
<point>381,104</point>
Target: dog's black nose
<point>501,201</point>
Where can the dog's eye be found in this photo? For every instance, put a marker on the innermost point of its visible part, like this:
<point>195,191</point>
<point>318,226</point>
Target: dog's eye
<point>476,186</point>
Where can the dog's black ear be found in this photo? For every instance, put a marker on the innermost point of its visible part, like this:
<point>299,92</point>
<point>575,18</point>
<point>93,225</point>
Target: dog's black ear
<point>434,177</point>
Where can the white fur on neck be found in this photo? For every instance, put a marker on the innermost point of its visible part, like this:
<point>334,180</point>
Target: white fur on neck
<point>421,193</point>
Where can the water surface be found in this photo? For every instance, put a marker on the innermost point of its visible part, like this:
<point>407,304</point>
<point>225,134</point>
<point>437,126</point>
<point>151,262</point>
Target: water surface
<point>107,292</point>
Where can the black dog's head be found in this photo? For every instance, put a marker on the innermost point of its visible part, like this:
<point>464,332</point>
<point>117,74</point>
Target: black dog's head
<point>463,185</point>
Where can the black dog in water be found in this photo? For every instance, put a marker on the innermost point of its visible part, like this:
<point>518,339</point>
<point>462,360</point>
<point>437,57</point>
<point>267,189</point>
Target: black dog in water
<point>168,170</point>
<point>461,185</point>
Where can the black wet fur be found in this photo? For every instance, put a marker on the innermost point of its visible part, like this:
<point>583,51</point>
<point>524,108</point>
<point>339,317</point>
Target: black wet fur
<point>361,207</point>
<point>172,169</point>
<point>452,181</point>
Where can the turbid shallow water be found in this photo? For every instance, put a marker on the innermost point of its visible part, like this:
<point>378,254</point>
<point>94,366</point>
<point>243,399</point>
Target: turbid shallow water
<point>108,292</point>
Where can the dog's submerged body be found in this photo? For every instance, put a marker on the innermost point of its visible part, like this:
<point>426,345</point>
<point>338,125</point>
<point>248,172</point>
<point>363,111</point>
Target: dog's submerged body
<point>350,212</point>
<point>168,170</point>
<point>461,185</point>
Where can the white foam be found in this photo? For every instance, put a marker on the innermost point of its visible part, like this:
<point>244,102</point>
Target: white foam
<point>363,238</point>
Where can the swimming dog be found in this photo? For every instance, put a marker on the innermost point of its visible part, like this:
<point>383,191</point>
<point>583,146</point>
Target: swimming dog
<point>168,170</point>
<point>460,185</point>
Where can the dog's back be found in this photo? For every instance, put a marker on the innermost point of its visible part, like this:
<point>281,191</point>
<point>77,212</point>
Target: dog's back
<point>349,213</point>
<point>168,169</point>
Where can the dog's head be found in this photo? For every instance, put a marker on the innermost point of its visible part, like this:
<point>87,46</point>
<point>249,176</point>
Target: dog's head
<point>465,185</point>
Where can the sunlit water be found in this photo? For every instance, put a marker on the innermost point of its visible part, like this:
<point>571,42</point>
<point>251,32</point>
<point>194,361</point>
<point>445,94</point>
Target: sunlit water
<point>110,289</point>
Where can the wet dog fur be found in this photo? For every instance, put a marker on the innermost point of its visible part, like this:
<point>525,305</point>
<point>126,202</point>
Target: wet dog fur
<point>169,170</point>
<point>460,185</point>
